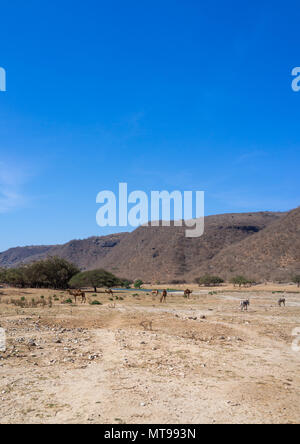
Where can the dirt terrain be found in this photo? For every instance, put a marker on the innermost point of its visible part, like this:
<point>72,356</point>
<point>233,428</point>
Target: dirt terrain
<point>201,360</point>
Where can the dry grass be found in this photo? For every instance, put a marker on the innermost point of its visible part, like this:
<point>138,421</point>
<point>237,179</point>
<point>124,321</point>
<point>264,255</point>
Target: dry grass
<point>135,360</point>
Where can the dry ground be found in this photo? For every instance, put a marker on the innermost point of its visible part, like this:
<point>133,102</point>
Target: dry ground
<point>98,364</point>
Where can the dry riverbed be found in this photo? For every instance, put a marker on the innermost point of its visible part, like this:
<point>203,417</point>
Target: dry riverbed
<point>134,360</point>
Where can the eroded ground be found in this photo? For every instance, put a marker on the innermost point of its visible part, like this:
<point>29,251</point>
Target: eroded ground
<point>204,360</point>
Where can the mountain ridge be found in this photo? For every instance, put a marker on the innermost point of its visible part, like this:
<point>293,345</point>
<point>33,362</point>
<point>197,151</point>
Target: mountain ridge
<point>262,245</point>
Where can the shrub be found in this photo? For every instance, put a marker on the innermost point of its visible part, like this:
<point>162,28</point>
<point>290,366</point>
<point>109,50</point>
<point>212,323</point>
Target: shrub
<point>241,280</point>
<point>296,280</point>
<point>125,283</point>
<point>68,301</point>
<point>138,283</point>
<point>96,303</point>
<point>208,280</point>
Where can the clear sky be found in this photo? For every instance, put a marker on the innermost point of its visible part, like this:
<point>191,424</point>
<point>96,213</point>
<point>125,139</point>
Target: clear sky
<point>168,94</point>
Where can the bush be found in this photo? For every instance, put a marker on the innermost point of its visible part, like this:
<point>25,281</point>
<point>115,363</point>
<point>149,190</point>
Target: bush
<point>125,283</point>
<point>296,280</point>
<point>138,283</point>
<point>68,301</point>
<point>208,280</point>
<point>240,280</point>
<point>96,303</point>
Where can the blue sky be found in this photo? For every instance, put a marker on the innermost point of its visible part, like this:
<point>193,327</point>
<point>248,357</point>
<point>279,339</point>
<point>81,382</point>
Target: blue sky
<point>175,95</point>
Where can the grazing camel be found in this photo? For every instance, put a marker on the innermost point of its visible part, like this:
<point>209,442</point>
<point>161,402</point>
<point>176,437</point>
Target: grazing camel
<point>76,293</point>
<point>164,296</point>
<point>187,293</point>
<point>281,302</point>
<point>244,305</point>
<point>109,291</point>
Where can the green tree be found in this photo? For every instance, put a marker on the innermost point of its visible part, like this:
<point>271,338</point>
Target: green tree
<point>208,280</point>
<point>53,272</point>
<point>3,272</point>
<point>239,280</point>
<point>296,280</point>
<point>16,277</point>
<point>125,283</point>
<point>138,283</point>
<point>94,278</point>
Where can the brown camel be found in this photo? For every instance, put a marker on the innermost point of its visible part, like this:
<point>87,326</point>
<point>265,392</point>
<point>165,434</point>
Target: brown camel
<point>77,293</point>
<point>109,291</point>
<point>164,296</point>
<point>187,293</point>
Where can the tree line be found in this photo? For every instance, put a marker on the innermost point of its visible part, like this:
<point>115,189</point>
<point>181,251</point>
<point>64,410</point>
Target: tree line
<point>240,281</point>
<point>58,273</point>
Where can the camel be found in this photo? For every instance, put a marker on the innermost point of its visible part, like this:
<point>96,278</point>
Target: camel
<point>76,293</point>
<point>155,293</point>
<point>164,296</point>
<point>187,293</point>
<point>109,291</point>
<point>281,302</point>
<point>245,304</point>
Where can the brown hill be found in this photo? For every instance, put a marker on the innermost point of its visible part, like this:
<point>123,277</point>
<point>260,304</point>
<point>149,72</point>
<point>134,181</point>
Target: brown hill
<point>271,254</point>
<point>164,253</point>
<point>261,245</point>
<point>84,253</point>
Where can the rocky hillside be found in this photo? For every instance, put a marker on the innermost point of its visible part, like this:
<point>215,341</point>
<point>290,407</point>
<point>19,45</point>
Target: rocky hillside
<point>164,254</point>
<point>271,254</point>
<point>261,245</point>
<point>84,253</point>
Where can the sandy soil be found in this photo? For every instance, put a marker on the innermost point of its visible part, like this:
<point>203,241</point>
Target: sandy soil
<point>104,364</point>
